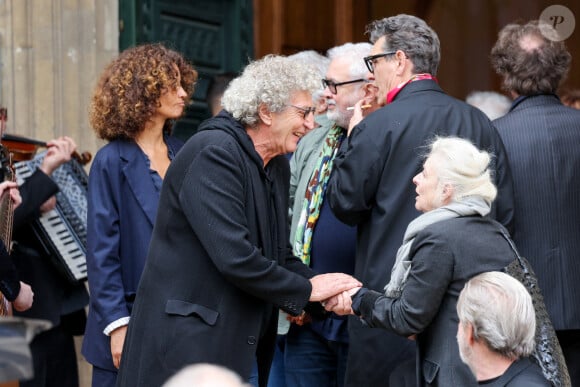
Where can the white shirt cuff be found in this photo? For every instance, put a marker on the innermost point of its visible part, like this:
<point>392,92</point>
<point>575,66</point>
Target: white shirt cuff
<point>116,324</point>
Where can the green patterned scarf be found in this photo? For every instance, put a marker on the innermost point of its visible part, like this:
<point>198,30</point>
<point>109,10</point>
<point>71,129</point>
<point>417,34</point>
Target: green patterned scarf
<point>314,194</point>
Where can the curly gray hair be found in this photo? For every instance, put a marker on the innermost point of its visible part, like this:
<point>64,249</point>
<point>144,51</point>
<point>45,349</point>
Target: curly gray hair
<point>271,81</point>
<point>412,36</point>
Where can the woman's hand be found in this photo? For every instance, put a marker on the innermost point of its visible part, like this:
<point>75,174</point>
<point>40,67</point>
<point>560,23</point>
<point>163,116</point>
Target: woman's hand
<point>341,304</point>
<point>117,341</point>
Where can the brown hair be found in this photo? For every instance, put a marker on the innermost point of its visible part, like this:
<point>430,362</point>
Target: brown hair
<point>571,98</point>
<point>534,70</point>
<point>127,94</point>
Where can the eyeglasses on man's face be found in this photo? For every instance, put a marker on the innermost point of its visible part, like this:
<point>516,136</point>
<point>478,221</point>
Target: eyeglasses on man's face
<point>333,85</point>
<point>370,61</point>
<point>305,110</point>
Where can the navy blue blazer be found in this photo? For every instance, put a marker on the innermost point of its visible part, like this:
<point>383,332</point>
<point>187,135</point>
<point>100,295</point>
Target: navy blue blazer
<point>122,206</point>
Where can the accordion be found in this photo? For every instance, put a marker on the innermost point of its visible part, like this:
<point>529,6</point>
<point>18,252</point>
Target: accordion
<point>63,230</point>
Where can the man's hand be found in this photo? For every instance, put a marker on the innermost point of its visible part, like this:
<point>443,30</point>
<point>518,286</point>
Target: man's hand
<point>117,341</point>
<point>13,192</point>
<point>365,106</point>
<point>327,285</point>
<point>48,205</point>
<point>59,152</point>
<point>24,299</point>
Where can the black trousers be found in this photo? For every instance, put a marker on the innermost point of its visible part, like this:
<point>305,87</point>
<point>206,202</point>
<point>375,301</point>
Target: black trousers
<point>54,359</point>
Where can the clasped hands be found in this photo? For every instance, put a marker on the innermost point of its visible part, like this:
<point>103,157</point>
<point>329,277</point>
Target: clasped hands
<point>335,290</point>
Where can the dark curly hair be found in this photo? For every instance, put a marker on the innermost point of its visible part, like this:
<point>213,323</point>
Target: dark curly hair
<point>127,94</point>
<point>537,69</point>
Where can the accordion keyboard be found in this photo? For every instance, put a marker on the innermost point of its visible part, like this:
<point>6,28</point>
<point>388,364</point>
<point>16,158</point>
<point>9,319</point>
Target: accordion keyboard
<point>63,230</point>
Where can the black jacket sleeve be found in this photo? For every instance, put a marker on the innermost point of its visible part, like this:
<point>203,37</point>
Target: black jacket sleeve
<point>9,282</point>
<point>35,190</point>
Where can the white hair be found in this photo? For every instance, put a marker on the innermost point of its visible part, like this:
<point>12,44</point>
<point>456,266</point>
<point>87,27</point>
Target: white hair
<point>466,168</point>
<point>355,52</point>
<point>270,81</point>
<point>492,104</point>
<point>311,57</point>
<point>205,375</point>
<point>319,61</point>
<point>501,312</point>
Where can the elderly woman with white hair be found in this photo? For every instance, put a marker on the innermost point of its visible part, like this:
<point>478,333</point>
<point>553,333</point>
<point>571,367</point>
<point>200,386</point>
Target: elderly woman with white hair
<point>219,263</point>
<point>443,248</point>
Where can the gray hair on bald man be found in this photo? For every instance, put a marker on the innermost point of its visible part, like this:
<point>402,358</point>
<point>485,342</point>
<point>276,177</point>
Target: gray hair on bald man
<point>500,310</point>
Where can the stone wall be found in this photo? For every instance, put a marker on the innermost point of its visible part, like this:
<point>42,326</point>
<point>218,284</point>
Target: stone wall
<point>51,53</point>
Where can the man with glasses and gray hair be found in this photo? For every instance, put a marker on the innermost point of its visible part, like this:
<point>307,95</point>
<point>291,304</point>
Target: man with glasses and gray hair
<point>316,351</point>
<point>496,331</point>
<point>371,184</point>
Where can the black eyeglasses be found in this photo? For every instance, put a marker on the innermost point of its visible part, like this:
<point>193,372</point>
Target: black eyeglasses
<point>305,110</point>
<point>333,85</point>
<point>371,60</point>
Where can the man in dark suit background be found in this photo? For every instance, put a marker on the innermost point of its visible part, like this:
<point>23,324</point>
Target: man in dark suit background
<point>371,185</point>
<point>541,137</point>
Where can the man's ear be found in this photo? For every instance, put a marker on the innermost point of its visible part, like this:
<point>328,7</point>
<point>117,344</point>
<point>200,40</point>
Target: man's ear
<point>402,63</point>
<point>265,114</point>
<point>369,93</point>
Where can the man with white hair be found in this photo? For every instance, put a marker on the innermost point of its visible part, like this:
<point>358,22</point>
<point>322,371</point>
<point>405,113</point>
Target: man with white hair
<point>316,352</point>
<point>496,331</point>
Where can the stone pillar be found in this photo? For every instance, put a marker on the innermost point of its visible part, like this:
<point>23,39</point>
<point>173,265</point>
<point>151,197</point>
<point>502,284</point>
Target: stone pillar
<point>51,53</point>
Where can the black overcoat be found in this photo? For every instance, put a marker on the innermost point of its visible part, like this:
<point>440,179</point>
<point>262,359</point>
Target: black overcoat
<point>219,263</point>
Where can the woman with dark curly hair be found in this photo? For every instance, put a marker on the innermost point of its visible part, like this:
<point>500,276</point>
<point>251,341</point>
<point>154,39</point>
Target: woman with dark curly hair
<point>135,101</point>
